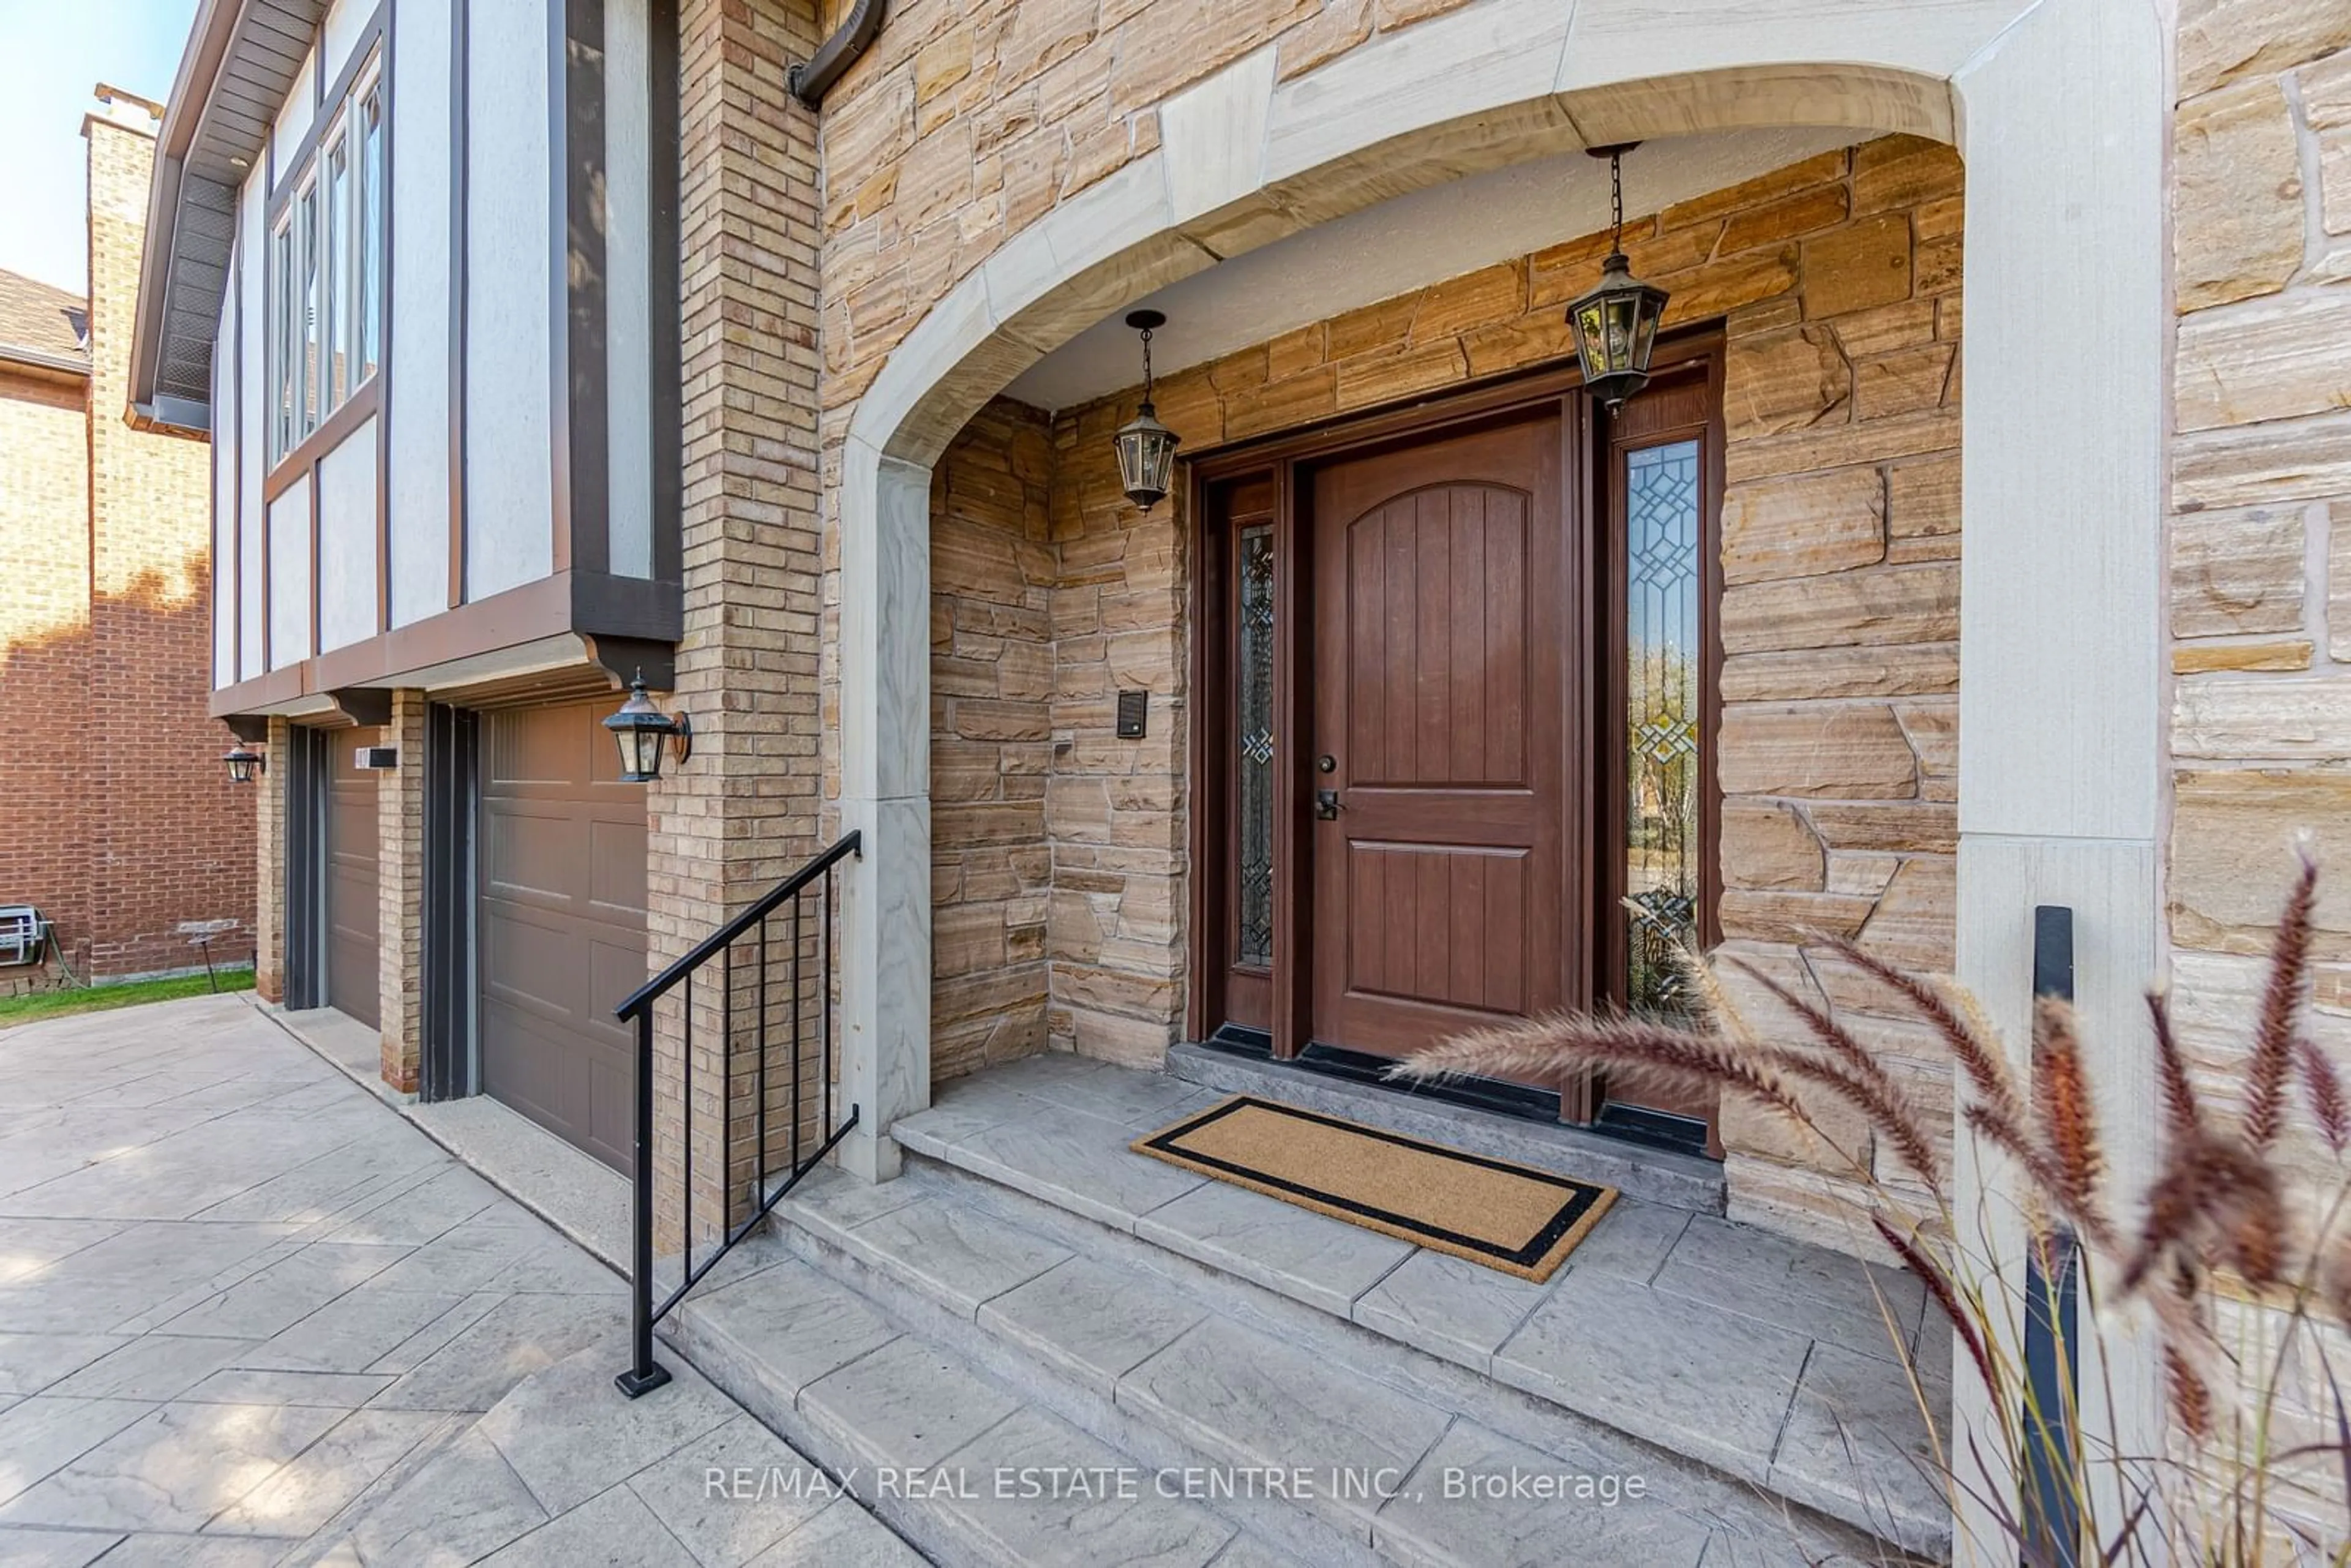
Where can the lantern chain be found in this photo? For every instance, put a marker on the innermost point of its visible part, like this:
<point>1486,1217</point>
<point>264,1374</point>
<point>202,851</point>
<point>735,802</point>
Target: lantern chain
<point>1615,206</point>
<point>1146,367</point>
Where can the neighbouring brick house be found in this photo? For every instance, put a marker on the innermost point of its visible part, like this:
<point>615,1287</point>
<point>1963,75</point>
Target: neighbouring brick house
<point>120,827</point>
<point>557,345</point>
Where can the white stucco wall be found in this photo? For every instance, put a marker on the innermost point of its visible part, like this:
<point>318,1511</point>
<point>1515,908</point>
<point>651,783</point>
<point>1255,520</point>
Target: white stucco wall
<point>340,31</point>
<point>253,428</point>
<point>347,540</point>
<point>289,576</point>
<point>418,350</point>
<point>295,115</point>
<point>225,489</point>
<point>509,489</point>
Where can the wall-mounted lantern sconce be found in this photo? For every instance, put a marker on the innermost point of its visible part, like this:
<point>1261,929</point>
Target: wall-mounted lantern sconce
<point>1616,323</point>
<point>244,764</point>
<point>1146,448</point>
<point>644,732</point>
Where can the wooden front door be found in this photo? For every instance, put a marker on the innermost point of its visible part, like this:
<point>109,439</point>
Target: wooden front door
<point>1438,801</point>
<point>1456,670</point>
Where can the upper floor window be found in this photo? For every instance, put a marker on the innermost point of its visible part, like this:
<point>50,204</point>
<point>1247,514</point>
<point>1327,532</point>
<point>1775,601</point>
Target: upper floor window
<point>326,267</point>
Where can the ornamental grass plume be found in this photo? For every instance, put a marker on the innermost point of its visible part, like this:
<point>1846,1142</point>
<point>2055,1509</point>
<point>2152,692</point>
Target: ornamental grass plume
<point>2229,1268</point>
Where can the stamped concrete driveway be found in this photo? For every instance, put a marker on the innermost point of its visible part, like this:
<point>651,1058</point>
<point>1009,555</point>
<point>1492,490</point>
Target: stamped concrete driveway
<point>244,1305</point>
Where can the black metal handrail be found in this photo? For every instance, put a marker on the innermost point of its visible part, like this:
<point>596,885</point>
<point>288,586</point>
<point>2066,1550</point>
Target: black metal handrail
<point>645,1375</point>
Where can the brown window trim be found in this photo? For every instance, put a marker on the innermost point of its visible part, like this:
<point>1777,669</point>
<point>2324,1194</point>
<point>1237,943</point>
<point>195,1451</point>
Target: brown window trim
<point>357,410</point>
<point>286,173</point>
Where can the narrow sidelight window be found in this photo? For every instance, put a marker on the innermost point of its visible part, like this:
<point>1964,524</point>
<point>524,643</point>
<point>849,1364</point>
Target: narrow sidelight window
<point>1663,651</point>
<point>1253,942</point>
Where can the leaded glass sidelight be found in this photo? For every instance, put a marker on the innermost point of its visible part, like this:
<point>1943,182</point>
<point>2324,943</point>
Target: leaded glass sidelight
<point>1254,934</point>
<point>1664,643</point>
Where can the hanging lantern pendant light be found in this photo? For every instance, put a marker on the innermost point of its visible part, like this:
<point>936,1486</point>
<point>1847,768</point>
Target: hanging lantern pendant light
<point>1146,448</point>
<point>1617,324</point>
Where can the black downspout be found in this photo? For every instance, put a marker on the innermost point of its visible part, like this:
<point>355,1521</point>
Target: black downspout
<point>838,52</point>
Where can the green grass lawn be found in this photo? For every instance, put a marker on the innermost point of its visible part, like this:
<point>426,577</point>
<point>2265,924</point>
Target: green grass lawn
<point>96,998</point>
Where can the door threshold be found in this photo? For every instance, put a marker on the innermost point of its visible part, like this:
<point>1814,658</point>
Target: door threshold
<point>1503,1098</point>
<point>1632,1123</point>
<point>1657,1173</point>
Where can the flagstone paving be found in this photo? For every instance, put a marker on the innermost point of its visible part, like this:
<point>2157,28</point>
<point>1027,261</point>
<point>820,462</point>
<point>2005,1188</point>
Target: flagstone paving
<point>250,1315</point>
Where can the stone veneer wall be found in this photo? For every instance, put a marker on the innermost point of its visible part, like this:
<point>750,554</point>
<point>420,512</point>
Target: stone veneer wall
<point>993,570</point>
<point>1838,278</point>
<point>969,119</point>
<point>2261,525</point>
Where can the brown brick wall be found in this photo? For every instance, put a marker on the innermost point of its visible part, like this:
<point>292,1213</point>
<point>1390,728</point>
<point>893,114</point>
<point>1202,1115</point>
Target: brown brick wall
<point>122,825</point>
<point>169,843</point>
<point>45,823</point>
<point>1838,282</point>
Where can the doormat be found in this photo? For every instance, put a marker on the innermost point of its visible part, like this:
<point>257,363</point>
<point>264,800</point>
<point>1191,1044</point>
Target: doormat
<point>1510,1217</point>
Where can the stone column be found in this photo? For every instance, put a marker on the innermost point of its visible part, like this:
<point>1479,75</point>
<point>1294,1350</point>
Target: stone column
<point>400,835</point>
<point>2060,646</point>
<point>885,795</point>
<point>269,866</point>
<point>748,809</point>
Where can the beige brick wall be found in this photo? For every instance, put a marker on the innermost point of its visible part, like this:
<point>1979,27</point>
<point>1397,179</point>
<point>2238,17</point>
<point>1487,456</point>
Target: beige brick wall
<point>269,864</point>
<point>748,809</point>
<point>1838,280</point>
<point>400,895</point>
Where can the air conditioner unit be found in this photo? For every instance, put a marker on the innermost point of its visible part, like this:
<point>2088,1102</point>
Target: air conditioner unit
<point>22,933</point>
<point>376,758</point>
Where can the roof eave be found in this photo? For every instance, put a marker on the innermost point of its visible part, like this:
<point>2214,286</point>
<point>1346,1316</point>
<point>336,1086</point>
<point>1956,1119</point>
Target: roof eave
<point>17,357</point>
<point>192,91</point>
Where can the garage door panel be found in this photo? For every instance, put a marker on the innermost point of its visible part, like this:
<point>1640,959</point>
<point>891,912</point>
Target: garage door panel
<point>531,962</point>
<point>543,746</point>
<point>562,923</point>
<point>535,853</point>
<point>616,870</point>
<point>353,911</point>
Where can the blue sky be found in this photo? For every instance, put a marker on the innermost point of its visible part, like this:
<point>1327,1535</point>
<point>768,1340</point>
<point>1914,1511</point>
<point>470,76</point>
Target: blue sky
<point>52,52</point>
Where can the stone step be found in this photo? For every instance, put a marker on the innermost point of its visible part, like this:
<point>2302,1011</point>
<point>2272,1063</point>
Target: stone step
<point>920,1435</point>
<point>1190,1372</point>
<point>1762,1360</point>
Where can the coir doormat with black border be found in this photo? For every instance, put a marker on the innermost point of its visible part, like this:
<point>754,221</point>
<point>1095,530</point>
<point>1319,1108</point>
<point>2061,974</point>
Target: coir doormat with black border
<point>1507,1216</point>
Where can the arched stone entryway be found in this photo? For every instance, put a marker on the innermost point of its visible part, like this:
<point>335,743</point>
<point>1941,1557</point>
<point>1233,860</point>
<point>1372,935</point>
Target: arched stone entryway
<point>2056,107</point>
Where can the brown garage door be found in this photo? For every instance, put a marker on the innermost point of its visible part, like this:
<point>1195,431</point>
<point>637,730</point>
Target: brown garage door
<point>562,922</point>
<point>353,915</point>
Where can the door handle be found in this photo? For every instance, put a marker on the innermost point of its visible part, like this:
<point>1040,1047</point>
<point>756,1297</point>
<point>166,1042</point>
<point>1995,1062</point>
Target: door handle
<point>1326,805</point>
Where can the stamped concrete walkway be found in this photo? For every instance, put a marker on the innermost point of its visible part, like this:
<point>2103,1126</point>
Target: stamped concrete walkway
<point>250,1315</point>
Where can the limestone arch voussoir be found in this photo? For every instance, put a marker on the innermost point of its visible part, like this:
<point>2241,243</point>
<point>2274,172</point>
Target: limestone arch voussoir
<point>1227,180</point>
